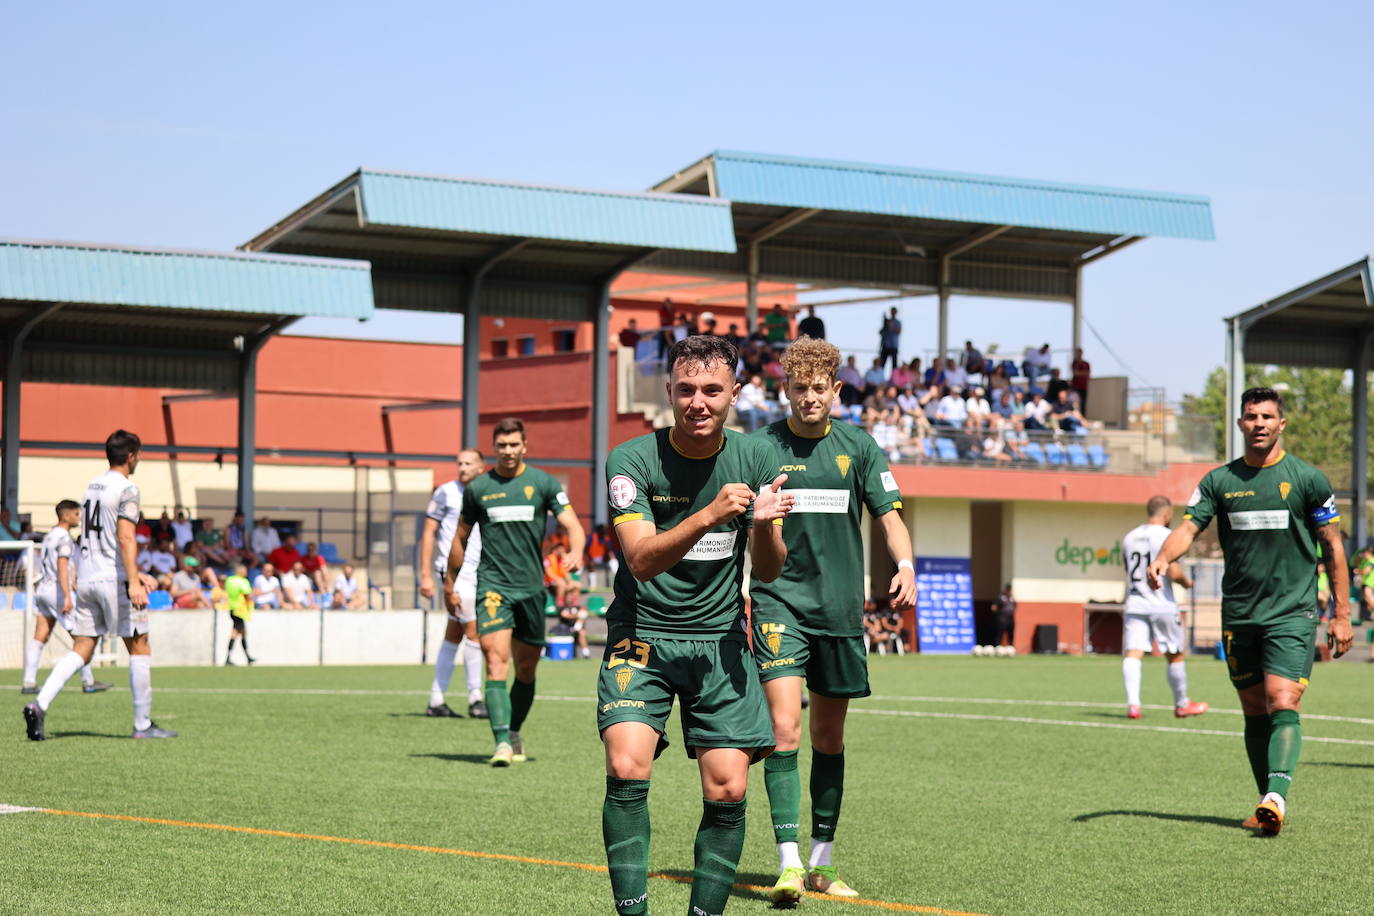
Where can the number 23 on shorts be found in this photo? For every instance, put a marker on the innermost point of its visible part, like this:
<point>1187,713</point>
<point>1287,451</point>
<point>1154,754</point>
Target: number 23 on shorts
<point>622,652</point>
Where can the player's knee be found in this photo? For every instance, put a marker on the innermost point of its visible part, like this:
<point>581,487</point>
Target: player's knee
<point>787,732</point>
<point>720,787</point>
<point>626,765</point>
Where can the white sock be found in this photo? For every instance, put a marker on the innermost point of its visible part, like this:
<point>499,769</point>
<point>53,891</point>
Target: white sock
<point>788,856</point>
<point>820,852</point>
<point>141,686</point>
<point>1277,799</point>
<point>61,672</point>
<point>443,672</point>
<point>31,656</point>
<point>87,675</point>
<point>1130,673</point>
<point>1178,682</point>
<point>472,669</point>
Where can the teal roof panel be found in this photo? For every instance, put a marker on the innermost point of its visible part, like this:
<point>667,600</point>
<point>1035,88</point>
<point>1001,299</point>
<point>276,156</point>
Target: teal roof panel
<point>233,282</point>
<point>787,181</point>
<point>483,207</point>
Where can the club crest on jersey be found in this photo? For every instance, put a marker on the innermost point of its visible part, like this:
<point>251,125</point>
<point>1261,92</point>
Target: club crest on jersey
<point>1284,489</point>
<point>529,492</point>
<point>493,603</point>
<point>772,636</point>
<point>842,462</point>
<point>623,676</point>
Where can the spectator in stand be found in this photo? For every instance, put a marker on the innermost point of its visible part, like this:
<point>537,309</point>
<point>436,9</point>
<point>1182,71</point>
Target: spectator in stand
<point>558,581</point>
<point>598,555</point>
<point>851,383</point>
<point>1065,414</point>
<point>297,588</point>
<point>873,627</point>
<point>1037,413</point>
<point>267,588</point>
<point>219,598</point>
<point>930,403</point>
<point>211,541</point>
<point>348,591</point>
<point>143,528</point>
<point>778,323</point>
<point>752,405</point>
<point>574,617</point>
<point>161,559</point>
<point>708,323</point>
<point>1082,374</point>
<point>774,376</point>
<point>890,625</point>
<point>265,538</point>
<point>1008,408</point>
<point>185,586</point>
<point>811,326</point>
<point>1016,440</point>
<point>683,328</point>
<point>997,382</point>
<point>315,566</point>
<point>162,529</point>
<point>751,355</point>
<point>286,556</point>
<point>994,446</point>
<point>236,539</point>
<point>935,375</point>
<point>1055,386</point>
<point>629,335</point>
<point>972,360</point>
<point>1036,363</point>
<point>889,338</point>
<point>901,376</point>
<point>760,334</point>
<point>732,335</point>
<point>955,375</point>
<point>144,560</point>
<point>980,414</point>
<point>181,530</point>
<point>951,413</point>
<point>875,378</point>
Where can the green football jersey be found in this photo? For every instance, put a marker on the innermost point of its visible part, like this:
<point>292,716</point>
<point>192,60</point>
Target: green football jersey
<point>833,478</point>
<point>1265,522</point>
<point>700,597</point>
<point>511,512</point>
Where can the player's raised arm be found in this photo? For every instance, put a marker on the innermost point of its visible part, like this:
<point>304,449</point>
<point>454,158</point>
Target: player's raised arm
<point>1339,634</point>
<point>648,553</point>
<point>767,549</point>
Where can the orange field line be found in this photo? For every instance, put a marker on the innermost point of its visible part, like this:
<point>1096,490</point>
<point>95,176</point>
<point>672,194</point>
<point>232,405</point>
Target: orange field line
<point>473,854</point>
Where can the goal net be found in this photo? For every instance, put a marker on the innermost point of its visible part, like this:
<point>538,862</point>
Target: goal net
<point>18,577</point>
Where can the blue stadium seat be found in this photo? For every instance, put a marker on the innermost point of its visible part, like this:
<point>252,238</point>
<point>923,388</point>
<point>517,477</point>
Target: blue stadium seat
<point>4,600</point>
<point>1054,453</point>
<point>945,450</point>
<point>1097,455</point>
<point>159,600</point>
<point>21,601</point>
<point>330,551</point>
<point>1035,453</point>
<point>1077,456</point>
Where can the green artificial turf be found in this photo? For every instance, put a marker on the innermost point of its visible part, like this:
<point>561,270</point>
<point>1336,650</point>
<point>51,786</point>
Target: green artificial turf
<point>979,815</point>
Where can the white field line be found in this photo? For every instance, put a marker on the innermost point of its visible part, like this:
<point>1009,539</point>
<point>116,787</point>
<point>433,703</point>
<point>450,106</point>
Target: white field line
<point>1083,704</point>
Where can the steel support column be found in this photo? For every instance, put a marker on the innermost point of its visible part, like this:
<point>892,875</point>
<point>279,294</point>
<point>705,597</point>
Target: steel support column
<point>1235,386</point>
<point>9,422</point>
<point>1078,308</point>
<point>601,399</point>
<point>942,335</point>
<point>248,415</point>
<point>472,343</point>
<point>751,285</point>
<point>1359,428</point>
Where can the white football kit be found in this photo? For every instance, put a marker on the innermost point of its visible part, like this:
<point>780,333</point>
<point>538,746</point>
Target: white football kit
<point>444,507</point>
<point>1151,614</point>
<point>102,598</point>
<point>47,593</point>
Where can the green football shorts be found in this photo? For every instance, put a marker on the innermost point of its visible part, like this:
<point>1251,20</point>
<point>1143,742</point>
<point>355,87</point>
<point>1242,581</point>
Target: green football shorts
<point>834,666</point>
<point>1285,649</point>
<point>522,613</point>
<point>715,681</point>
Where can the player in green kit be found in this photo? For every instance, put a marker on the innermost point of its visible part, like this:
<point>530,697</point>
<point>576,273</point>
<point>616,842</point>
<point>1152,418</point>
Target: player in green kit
<point>808,623</point>
<point>687,502</point>
<point>1272,510</point>
<point>510,503</point>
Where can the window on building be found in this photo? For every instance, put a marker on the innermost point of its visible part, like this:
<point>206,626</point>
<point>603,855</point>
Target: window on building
<point>500,347</point>
<point>524,346</point>
<point>564,340</point>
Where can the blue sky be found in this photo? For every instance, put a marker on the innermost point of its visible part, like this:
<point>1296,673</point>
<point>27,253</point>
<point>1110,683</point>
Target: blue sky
<point>197,125</point>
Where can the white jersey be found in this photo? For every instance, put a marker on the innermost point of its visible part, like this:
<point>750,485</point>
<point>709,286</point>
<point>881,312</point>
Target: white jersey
<point>444,507</point>
<point>56,545</point>
<point>1139,549</point>
<point>110,497</point>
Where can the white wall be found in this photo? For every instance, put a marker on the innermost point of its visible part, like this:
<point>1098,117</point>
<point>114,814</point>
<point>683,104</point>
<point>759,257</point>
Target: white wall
<point>1063,552</point>
<point>939,527</point>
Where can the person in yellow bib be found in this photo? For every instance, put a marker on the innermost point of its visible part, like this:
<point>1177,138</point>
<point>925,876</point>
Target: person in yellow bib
<point>240,592</point>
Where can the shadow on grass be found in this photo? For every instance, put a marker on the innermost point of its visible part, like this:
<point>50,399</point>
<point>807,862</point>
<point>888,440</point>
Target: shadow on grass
<point>1163,816</point>
<point>52,736</point>
<point>420,715</point>
<point>1103,714</point>
<point>743,881</point>
<point>1337,763</point>
<point>483,759</point>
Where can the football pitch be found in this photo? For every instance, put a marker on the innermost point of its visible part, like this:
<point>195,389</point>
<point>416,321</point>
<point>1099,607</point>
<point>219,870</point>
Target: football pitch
<point>975,785</point>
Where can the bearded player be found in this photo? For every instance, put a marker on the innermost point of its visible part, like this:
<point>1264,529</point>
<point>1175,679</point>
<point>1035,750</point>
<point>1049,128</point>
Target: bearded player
<point>1272,510</point>
<point>687,503</point>
<point>808,623</point>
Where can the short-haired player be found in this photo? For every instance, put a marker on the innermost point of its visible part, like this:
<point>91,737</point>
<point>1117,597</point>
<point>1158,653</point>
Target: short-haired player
<point>1151,614</point>
<point>110,594</point>
<point>1272,510</point>
<point>808,622</point>
<point>441,523</point>
<point>54,596</point>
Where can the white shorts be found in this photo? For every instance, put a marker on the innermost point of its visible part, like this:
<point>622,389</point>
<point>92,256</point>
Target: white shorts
<point>103,608</point>
<point>465,591</point>
<point>47,600</point>
<point>1164,629</point>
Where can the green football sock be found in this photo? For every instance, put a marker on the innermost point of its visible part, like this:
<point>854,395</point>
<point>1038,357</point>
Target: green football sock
<point>720,840</point>
<point>1257,731</point>
<point>625,829</point>
<point>783,782</point>
<point>521,699</point>
<point>1284,746</point>
<point>498,710</point>
<point>827,790</point>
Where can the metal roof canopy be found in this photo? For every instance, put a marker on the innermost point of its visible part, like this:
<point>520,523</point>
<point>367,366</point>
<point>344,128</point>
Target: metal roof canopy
<point>501,248</point>
<point>83,313</point>
<point>1328,323</point>
<point>917,231</point>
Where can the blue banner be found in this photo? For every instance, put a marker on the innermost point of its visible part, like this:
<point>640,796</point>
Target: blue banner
<point>944,604</point>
